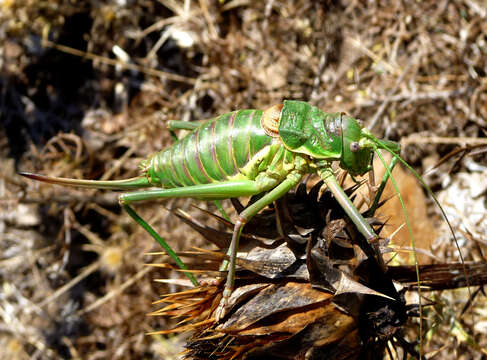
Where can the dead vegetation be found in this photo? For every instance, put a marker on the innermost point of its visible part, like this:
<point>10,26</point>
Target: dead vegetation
<point>87,90</point>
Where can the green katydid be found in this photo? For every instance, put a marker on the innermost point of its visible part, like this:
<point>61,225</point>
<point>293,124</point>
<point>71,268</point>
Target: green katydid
<point>249,152</point>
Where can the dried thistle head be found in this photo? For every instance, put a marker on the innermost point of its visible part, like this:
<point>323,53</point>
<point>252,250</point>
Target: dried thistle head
<point>308,285</point>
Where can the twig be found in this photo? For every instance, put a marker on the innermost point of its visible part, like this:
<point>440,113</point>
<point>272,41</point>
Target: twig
<point>413,97</point>
<point>389,97</point>
<point>116,291</point>
<point>421,139</point>
<point>112,62</point>
<point>86,272</point>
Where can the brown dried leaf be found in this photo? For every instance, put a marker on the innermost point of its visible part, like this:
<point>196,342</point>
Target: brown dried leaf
<point>271,300</point>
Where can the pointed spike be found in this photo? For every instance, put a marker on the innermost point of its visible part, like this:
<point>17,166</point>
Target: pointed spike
<point>215,216</point>
<point>132,183</point>
<point>301,190</point>
<point>348,285</point>
<point>183,328</point>
<point>315,190</point>
<point>179,282</point>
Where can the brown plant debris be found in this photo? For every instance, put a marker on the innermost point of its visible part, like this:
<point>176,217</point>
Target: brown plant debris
<point>299,303</point>
<point>309,302</point>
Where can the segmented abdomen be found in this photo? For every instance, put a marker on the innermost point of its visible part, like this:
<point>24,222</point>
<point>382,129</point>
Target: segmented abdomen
<point>213,152</point>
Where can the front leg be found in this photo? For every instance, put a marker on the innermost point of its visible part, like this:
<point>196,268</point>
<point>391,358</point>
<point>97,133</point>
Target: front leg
<point>362,225</point>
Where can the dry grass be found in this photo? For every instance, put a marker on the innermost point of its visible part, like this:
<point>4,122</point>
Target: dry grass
<point>87,89</point>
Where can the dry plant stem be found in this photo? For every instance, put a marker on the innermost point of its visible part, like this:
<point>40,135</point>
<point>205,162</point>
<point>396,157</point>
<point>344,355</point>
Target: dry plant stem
<point>415,97</point>
<point>167,21</point>
<point>175,7</point>
<point>421,139</point>
<point>388,99</point>
<point>124,65</point>
<point>90,269</point>
<point>117,291</point>
<point>209,20</point>
<point>68,217</point>
<point>92,237</point>
<point>15,261</point>
<point>317,80</point>
<point>366,51</point>
<point>118,163</point>
<point>441,276</point>
<point>59,140</point>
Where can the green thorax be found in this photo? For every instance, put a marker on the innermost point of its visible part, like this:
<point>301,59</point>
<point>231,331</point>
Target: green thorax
<point>305,129</point>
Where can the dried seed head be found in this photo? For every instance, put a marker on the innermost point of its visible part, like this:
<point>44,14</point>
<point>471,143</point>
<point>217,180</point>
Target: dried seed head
<point>298,298</point>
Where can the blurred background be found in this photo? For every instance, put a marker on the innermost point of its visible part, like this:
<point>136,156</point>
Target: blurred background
<point>87,88</point>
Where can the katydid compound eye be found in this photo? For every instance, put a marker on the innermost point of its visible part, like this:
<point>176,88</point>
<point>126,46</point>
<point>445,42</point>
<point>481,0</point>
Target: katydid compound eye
<point>354,147</point>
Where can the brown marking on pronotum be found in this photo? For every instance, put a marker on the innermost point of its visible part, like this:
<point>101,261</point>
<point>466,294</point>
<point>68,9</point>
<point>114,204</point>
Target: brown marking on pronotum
<point>270,120</point>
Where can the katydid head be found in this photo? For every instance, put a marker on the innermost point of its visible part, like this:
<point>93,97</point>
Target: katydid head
<point>357,151</point>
